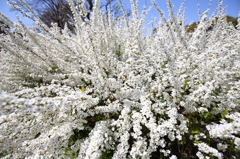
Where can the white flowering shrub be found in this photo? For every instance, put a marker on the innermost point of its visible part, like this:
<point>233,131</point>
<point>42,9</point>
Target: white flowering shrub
<point>108,91</point>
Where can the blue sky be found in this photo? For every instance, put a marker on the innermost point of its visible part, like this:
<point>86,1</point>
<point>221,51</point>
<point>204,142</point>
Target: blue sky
<point>233,8</point>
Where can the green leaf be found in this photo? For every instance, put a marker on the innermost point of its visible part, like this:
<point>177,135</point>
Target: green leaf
<point>195,131</point>
<point>108,154</point>
<point>37,135</point>
<point>206,115</point>
<point>197,142</point>
<point>83,88</point>
<point>223,115</point>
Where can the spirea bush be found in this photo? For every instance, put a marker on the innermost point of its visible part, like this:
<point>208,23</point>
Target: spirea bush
<point>109,90</point>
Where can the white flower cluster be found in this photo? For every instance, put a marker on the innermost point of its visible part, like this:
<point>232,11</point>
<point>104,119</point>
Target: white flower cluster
<point>207,149</point>
<point>42,125</point>
<point>108,90</point>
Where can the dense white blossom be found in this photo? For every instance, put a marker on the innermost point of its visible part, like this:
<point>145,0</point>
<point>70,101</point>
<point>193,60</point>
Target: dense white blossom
<point>108,89</point>
<point>207,149</point>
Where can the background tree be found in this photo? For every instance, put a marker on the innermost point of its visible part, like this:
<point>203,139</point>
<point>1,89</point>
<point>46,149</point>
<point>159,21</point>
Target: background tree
<point>53,11</point>
<point>58,11</point>
<point>114,8</point>
<point>230,19</point>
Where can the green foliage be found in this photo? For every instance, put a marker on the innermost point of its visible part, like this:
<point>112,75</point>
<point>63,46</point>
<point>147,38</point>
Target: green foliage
<point>232,20</point>
<point>106,72</point>
<point>118,52</point>
<point>192,27</point>
<point>77,135</point>
<point>54,69</point>
<point>223,115</point>
<point>83,88</point>
<point>145,130</point>
<point>70,155</point>
<point>3,153</point>
<point>92,120</point>
<point>107,154</point>
<point>32,82</point>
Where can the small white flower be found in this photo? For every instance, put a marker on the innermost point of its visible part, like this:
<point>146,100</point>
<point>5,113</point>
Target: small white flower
<point>173,157</point>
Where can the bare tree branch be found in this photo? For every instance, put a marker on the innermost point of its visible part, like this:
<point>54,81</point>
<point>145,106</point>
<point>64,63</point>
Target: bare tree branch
<point>59,11</point>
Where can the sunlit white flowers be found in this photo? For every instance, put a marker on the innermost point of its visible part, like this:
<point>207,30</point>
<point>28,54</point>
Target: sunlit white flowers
<point>108,90</point>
